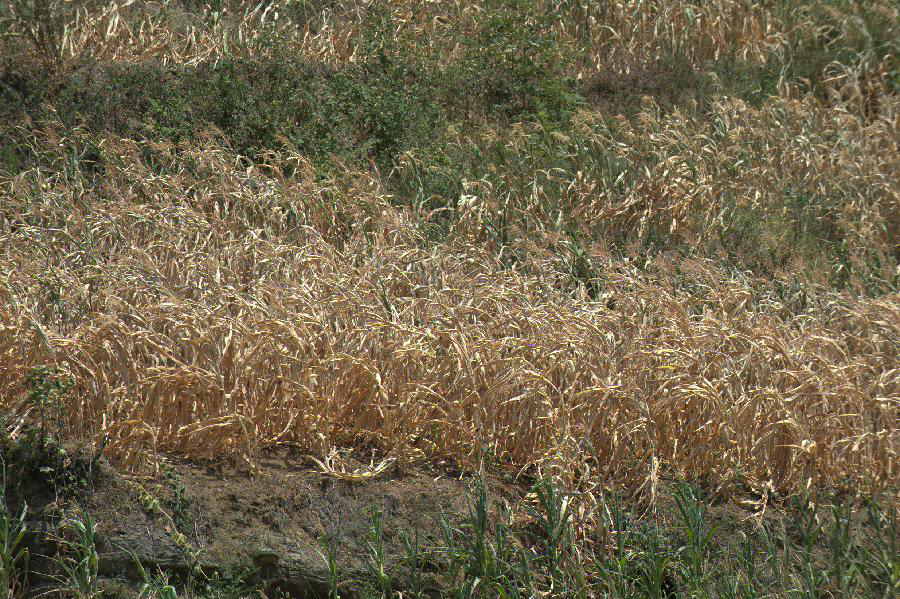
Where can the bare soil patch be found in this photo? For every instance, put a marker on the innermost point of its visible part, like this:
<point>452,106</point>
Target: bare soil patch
<point>270,526</point>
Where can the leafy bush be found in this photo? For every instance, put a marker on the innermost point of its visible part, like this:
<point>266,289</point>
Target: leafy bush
<point>513,66</point>
<point>363,112</point>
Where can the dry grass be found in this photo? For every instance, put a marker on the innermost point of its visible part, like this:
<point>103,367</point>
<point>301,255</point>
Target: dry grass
<point>207,307</point>
<point>199,317</point>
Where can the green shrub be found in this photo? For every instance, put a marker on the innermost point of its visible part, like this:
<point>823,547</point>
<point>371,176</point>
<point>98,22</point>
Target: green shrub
<point>513,67</point>
<point>365,112</point>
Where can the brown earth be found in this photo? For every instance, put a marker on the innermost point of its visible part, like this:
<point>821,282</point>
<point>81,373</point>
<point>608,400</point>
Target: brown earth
<point>209,520</point>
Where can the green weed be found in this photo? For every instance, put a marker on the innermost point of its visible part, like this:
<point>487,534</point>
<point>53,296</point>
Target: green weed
<point>47,389</point>
<point>14,556</point>
<point>78,558</point>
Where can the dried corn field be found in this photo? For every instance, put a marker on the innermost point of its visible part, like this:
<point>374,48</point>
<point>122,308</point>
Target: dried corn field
<point>627,299</point>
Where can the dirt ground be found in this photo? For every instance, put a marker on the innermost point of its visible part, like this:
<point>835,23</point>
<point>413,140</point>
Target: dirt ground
<point>273,523</point>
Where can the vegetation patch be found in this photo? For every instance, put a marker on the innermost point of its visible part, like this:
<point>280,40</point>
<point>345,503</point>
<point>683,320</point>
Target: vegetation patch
<point>638,261</point>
